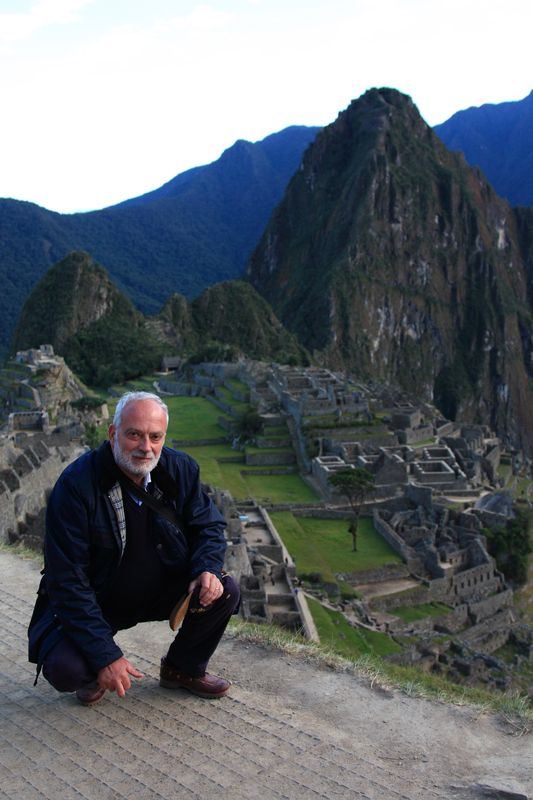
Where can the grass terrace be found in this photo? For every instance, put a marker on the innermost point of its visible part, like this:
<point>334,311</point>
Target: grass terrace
<point>238,385</point>
<point>521,487</point>
<point>325,545</point>
<point>265,436</point>
<point>280,488</point>
<point>144,384</point>
<point>329,418</point>
<point>277,488</point>
<point>356,641</point>
<point>227,397</point>
<point>193,418</point>
<point>252,448</point>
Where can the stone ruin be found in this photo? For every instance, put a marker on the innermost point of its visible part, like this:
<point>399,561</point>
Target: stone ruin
<point>37,382</point>
<point>258,561</point>
<point>29,468</point>
<point>35,386</point>
<point>455,465</point>
<point>28,420</point>
<point>297,391</point>
<point>449,555</point>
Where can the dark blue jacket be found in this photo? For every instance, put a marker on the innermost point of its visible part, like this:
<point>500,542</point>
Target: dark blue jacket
<point>83,547</point>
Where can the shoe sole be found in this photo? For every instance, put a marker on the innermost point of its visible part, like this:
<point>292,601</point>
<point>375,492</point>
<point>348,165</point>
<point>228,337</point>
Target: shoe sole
<point>166,684</point>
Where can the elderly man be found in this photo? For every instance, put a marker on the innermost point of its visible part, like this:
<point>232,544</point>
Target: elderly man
<point>129,531</point>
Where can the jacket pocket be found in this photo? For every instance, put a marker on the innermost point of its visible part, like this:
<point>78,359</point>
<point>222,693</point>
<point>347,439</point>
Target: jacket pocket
<point>102,536</point>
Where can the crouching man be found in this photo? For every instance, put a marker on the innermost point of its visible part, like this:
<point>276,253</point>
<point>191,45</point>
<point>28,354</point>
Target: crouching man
<point>129,532</point>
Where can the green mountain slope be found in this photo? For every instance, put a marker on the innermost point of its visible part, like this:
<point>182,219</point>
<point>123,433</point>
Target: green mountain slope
<point>77,309</point>
<point>191,233</point>
<point>104,339</point>
<point>230,313</point>
<point>392,257</point>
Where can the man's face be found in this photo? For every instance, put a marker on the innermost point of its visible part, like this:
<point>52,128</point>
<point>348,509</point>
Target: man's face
<point>137,442</point>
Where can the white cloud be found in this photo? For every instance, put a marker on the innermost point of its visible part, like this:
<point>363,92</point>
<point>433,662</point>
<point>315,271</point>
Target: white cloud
<point>159,46</point>
<point>207,17</point>
<point>15,27</point>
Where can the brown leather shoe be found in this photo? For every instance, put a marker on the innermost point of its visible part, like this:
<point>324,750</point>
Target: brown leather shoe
<point>209,686</point>
<point>91,695</point>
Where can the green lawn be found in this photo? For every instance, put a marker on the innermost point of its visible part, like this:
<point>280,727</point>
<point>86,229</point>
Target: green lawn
<point>230,399</point>
<point>144,384</point>
<point>204,453</point>
<point>504,470</point>
<point>356,641</point>
<point>226,393</point>
<point>192,418</point>
<point>280,488</point>
<point>277,488</point>
<point>412,613</point>
<point>521,487</point>
<point>232,480</point>
<point>329,539</point>
<point>309,558</point>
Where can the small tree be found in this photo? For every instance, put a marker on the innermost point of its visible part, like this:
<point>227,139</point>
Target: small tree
<point>511,545</point>
<point>249,424</point>
<point>355,485</point>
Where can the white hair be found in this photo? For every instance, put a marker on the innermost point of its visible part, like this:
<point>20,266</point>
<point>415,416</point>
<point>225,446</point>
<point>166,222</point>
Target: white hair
<point>135,397</point>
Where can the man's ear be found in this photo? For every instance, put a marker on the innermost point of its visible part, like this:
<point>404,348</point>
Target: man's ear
<point>112,434</point>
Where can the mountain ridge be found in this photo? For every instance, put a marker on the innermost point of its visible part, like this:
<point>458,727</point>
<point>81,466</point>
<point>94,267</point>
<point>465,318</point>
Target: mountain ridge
<point>498,138</point>
<point>198,237</point>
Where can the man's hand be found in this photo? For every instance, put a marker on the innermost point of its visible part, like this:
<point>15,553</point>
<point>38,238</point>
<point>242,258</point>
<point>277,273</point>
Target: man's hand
<point>116,676</point>
<point>211,588</point>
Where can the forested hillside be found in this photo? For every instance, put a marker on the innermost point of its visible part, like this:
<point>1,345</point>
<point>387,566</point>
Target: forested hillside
<point>77,309</point>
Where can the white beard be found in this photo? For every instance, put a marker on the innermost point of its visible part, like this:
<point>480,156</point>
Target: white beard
<point>127,462</point>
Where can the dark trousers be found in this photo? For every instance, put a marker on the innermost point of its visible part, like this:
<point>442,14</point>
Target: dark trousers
<point>67,669</point>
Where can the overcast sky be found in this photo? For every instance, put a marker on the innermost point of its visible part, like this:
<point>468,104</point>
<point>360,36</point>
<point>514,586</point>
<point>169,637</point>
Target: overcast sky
<point>103,100</point>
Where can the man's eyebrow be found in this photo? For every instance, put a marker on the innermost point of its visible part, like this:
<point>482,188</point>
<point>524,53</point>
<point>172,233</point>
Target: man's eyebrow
<point>150,433</point>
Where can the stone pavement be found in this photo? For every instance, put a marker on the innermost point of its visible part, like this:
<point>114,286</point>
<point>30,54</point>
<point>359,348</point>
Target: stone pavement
<point>158,743</point>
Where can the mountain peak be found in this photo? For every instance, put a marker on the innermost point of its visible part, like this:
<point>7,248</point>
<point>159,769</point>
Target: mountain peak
<point>391,257</point>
